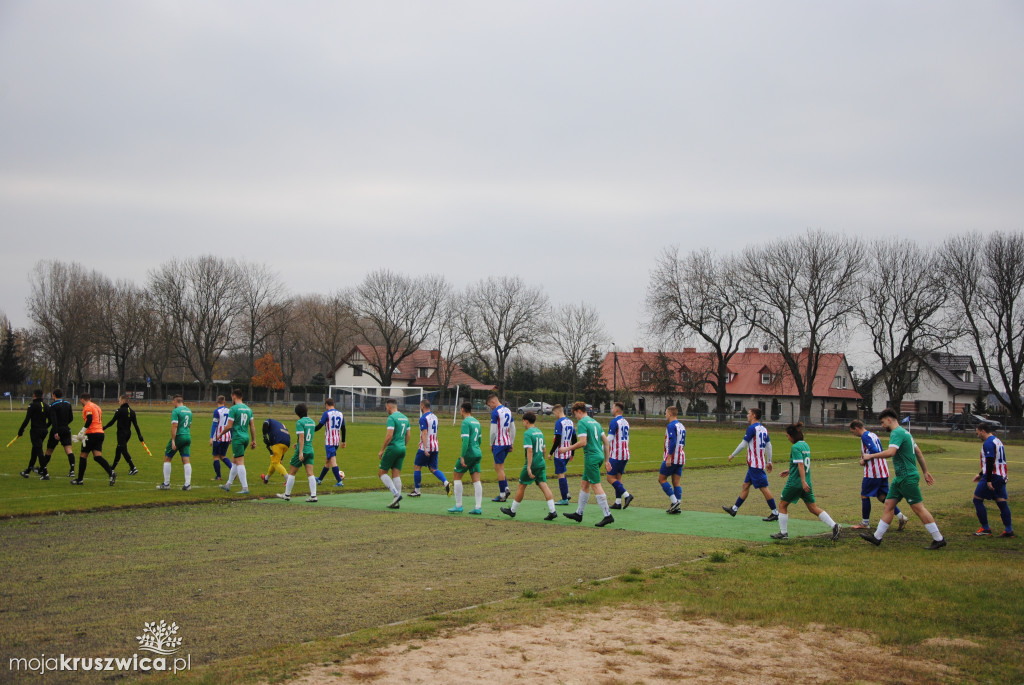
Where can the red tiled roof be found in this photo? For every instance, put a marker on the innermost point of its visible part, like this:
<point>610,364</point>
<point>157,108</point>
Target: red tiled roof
<point>408,368</point>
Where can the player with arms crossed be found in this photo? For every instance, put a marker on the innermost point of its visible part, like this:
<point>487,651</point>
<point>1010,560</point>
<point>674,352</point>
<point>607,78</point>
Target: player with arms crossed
<point>392,454</point>
<point>589,438</point>
<point>991,482</point>
<point>304,429</point>
<point>239,425</point>
<point>334,437</point>
<point>503,435</point>
<point>759,464</point>
<point>92,416</point>
<point>907,481</point>
<point>618,455</point>
<point>876,476</point>
<point>469,461</point>
<point>798,484</point>
<point>180,442</point>
<point>673,460</point>
<point>565,434</point>
<point>534,470</point>
<point>426,455</point>
<point>220,439</point>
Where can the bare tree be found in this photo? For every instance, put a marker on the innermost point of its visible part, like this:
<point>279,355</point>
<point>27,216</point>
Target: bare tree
<point>156,351</point>
<point>288,343</point>
<point>261,296</point>
<point>575,331</point>
<point>499,316</point>
<point>804,289</point>
<point>901,308</point>
<point>697,298</point>
<point>331,325</point>
<point>446,337</point>
<point>395,314</point>
<point>121,326</point>
<point>985,277</point>
<point>200,297</point>
<point>58,306</point>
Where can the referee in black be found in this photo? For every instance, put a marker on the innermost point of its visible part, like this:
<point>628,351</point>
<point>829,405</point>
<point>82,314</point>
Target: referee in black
<point>60,414</point>
<point>35,419</point>
<point>125,419</point>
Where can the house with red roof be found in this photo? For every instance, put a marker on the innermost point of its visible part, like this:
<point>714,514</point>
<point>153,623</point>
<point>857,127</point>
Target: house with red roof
<point>756,378</point>
<point>418,370</point>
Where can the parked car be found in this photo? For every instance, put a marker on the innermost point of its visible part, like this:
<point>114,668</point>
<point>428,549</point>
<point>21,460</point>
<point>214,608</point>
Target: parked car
<point>590,410</point>
<point>536,408</point>
<point>959,422</point>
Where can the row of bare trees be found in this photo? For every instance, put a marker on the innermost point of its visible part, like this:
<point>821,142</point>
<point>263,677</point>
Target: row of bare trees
<point>207,317</point>
<point>803,295</point>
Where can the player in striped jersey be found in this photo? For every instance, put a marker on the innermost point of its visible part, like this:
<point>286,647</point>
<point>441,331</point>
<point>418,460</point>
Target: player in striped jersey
<point>759,464</point>
<point>565,434</point>
<point>876,476</point>
<point>220,441</point>
<point>673,460</point>
<point>334,437</point>
<point>503,434</point>
<point>992,482</point>
<point>426,455</point>
<point>617,445</point>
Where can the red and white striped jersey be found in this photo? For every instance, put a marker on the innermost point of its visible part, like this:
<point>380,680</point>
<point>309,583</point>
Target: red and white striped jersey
<point>993,447</point>
<point>502,417</point>
<point>873,468</point>
<point>333,421</point>
<point>675,441</point>
<point>757,445</point>
<point>428,432</point>
<point>618,439</point>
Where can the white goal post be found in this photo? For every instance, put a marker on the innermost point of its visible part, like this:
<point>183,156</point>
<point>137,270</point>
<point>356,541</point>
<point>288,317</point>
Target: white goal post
<point>370,398</point>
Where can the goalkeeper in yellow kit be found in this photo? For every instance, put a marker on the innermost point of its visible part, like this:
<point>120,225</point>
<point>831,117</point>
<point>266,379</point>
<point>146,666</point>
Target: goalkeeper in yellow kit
<point>278,439</point>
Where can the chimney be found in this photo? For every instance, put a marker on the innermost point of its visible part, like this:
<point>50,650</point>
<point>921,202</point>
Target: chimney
<point>689,350</point>
<point>752,350</point>
<point>435,355</point>
<point>638,350</point>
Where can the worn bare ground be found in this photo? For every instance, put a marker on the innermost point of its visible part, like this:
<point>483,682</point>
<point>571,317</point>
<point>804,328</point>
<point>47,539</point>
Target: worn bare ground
<point>636,645</point>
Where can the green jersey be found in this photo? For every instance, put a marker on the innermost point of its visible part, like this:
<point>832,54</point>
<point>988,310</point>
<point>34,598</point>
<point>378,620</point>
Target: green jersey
<point>799,453</point>
<point>400,424</point>
<point>594,449</point>
<point>183,417</point>
<point>534,439</point>
<point>305,427</point>
<point>242,417</point>
<point>471,438</point>
<point>904,462</point>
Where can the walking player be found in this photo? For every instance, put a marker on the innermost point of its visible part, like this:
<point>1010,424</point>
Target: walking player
<point>534,470</point>
<point>392,453</point>
<point>92,417</point>
<point>304,429</point>
<point>503,435</point>
<point>180,442</point>
<point>673,460</point>
<point>35,419</point>
<point>239,424</point>
<point>618,455</point>
<point>125,419</point>
<point>876,476</point>
<point>759,464</point>
<point>565,434</point>
<point>428,450</point>
<point>334,437</point>
<point>220,439</point>
<point>469,461</point>
<point>589,438</point>
<point>59,415</point>
<point>991,482</point>
<point>798,485</point>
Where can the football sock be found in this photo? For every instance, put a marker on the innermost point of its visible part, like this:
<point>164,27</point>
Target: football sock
<point>679,492</point>
<point>739,503</point>
<point>784,524</point>
<point>979,506</point>
<point>389,484</point>
<point>933,528</point>
<point>478,493</point>
<point>32,462</point>
<point>439,474</point>
<point>584,496</point>
<point>231,475</point>
<point>117,457</point>
<point>673,499</point>
<point>551,506</point>
<point>865,510</point>
<point>397,480</point>
<point>880,530</point>
<point>323,473</point>
<point>563,487</point>
<point>216,467</point>
<point>82,463</point>
<point>503,486</point>
<point>602,501</point>
<point>825,518</point>
<point>241,477</point>
<point>71,460</point>
<point>289,483</point>
<point>899,513</point>
<point>458,493</point>
<point>312,486</point>
<point>104,464</point>
<point>167,472</point>
<point>337,473</point>
<point>515,506</point>
<point>417,480</point>
<point>667,488</point>
<point>771,505</point>
<point>618,500</point>
<point>188,474</point>
<point>1004,513</point>
<point>227,462</point>
<point>617,485</point>
<point>128,458</point>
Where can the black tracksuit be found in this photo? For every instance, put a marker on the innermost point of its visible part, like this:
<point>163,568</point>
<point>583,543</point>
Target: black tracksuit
<point>35,419</point>
<point>60,415</point>
<point>125,419</point>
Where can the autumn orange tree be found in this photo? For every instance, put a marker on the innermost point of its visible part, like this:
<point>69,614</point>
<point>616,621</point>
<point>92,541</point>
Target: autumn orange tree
<point>268,374</point>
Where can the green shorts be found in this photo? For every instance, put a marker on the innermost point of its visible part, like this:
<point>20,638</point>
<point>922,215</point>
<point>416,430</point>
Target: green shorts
<point>791,493</point>
<point>592,470</point>
<point>539,476</point>
<point>392,459</point>
<point>182,446</point>
<point>238,448</point>
<point>472,465</point>
<point>906,488</point>
<point>306,459</point>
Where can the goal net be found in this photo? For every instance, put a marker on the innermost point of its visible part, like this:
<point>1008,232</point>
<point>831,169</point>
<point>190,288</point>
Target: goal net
<point>363,400</point>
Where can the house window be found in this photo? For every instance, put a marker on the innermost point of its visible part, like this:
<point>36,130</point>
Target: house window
<point>423,372</point>
<point>357,369</point>
<point>967,376</point>
<point>766,379</point>
<point>730,377</point>
<point>841,382</point>
<point>645,375</point>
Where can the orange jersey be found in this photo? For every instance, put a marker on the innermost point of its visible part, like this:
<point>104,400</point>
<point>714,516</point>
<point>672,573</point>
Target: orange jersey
<point>96,426</point>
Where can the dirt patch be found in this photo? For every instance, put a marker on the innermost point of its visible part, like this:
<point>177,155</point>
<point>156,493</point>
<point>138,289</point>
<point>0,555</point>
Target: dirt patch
<point>631,645</point>
<point>955,643</point>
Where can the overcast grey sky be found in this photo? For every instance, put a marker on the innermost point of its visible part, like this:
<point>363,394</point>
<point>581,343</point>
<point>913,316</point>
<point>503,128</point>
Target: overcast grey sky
<point>567,142</point>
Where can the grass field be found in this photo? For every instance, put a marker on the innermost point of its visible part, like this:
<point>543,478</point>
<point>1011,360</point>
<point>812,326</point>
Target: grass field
<point>269,591</point>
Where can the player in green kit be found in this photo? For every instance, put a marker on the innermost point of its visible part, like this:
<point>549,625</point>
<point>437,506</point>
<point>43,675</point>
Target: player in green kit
<point>392,454</point>
<point>798,484</point>
<point>304,429</point>
<point>469,461</point>
<point>240,424</point>
<point>180,442</point>
<point>589,438</point>
<point>906,484</point>
<point>534,470</point>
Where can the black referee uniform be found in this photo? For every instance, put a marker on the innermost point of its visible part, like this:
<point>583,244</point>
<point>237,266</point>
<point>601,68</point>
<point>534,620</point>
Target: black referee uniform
<point>60,415</point>
<point>125,419</point>
<point>36,421</point>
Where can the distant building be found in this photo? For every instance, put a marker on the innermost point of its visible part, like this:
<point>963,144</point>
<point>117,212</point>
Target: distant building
<point>942,384</point>
<point>418,370</point>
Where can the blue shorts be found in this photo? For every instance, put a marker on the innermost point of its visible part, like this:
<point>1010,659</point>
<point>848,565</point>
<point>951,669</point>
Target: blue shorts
<point>668,469</point>
<point>998,491</point>
<point>873,487</point>
<point>425,459</point>
<point>756,477</point>
<point>561,466</point>
<point>331,451</point>
<point>220,449</point>
<point>500,453</point>
<point>617,466</point>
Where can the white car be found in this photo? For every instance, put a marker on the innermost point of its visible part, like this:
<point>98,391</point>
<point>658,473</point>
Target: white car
<point>536,408</point>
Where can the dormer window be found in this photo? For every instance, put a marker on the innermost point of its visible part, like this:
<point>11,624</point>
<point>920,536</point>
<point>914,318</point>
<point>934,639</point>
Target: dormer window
<point>766,379</point>
<point>357,369</point>
<point>967,376</point>
<point>730,377</point>
<point>645,375</point>
<point>423,372</point>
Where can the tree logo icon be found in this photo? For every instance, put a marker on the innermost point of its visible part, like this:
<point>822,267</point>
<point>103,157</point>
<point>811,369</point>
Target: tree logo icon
<point>159,638</point>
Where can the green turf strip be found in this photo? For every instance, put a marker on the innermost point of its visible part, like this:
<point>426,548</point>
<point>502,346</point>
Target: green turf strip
<point>643,519</point>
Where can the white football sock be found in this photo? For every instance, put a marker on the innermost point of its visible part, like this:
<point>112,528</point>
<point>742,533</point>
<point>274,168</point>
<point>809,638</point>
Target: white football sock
<point>388,483</point>
<point>241,477</point>
<point>618,500</point>
<point>784,524</point>
<point>289,483</point>
<point>551,506</point>
<point>167,472</point>
<point>312,486</point>
<point>188,474</point>
<point>515,506</point>
<point>397,480</point>
<point>880,531</point>
<point>903,517</point>
<point>933,528</point>
<point>478,493</point>
<point>673,499</point>
<point>231,475</point>
<point>584,496</point>
<point>826,519</point>
<point>625,494</point>
<point>458,493</point>
<point>602,501</point>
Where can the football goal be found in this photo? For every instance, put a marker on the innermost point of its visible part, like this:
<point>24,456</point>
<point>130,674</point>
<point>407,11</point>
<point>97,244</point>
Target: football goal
<point>355,400</point>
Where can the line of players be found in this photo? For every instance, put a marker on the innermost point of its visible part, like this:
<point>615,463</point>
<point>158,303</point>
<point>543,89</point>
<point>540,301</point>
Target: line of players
<point>602,451</point>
